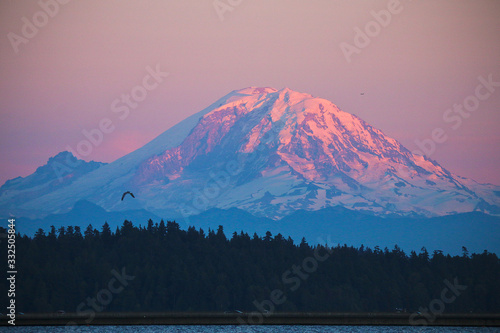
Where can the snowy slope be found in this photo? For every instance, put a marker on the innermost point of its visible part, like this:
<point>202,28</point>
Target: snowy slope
<point>271,153</point>
<point>60,171</point>
<point>294,151</point>
<point>103,186</point>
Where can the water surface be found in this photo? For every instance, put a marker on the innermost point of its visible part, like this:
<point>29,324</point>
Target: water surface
<point>248,329</point>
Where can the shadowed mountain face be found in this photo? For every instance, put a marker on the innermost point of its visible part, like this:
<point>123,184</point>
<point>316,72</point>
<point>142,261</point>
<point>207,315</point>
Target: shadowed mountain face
<point>271,153</point>
<point>59,172</point>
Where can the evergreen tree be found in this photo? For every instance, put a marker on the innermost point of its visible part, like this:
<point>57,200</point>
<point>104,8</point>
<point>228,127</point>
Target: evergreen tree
<point>179,270</point>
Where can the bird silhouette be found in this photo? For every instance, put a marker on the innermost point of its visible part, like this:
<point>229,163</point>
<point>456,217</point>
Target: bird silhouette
<point>128,192</point>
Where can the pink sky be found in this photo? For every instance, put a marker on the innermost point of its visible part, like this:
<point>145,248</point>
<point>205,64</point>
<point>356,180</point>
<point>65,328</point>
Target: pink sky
<point>426,59</point>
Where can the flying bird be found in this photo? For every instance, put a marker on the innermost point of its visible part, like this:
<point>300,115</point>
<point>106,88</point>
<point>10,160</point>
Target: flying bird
<point>362,93</point>
<point>128,192</point>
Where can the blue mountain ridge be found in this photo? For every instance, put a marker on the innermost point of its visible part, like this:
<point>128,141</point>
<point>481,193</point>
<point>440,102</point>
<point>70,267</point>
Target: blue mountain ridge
<point>333,225</point>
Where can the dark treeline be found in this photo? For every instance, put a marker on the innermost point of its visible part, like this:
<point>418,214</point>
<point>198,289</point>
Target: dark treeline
<point>191,270</point>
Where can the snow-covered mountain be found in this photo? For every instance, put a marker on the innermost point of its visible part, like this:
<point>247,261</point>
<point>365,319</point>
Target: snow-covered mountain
<point>269,152</point>
<point>59,172</point>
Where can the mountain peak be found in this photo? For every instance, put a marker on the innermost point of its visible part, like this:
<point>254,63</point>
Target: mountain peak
<point>66,163</point>
<point>59,172</point>
<point>255,90</point>
<point>63,158</point>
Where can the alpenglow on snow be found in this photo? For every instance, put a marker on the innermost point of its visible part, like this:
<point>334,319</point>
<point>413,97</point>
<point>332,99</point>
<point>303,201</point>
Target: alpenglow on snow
<point>266,151</point>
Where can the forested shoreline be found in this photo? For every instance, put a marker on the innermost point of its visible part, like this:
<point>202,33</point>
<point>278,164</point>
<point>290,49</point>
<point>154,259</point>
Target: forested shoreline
<point>160,267</point>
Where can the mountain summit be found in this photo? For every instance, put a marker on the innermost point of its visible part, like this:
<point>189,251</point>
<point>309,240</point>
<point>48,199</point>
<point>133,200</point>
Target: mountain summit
<point>272,152</point>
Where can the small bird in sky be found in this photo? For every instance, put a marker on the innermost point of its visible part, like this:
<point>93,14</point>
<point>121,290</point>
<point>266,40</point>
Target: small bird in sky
<point>128,192</point>
<point>362,93</point>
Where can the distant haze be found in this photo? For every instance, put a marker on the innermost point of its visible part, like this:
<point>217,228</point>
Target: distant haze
<point>64,76</point>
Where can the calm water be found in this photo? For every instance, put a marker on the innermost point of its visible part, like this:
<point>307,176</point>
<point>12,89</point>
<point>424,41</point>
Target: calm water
<point>250,329</point>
